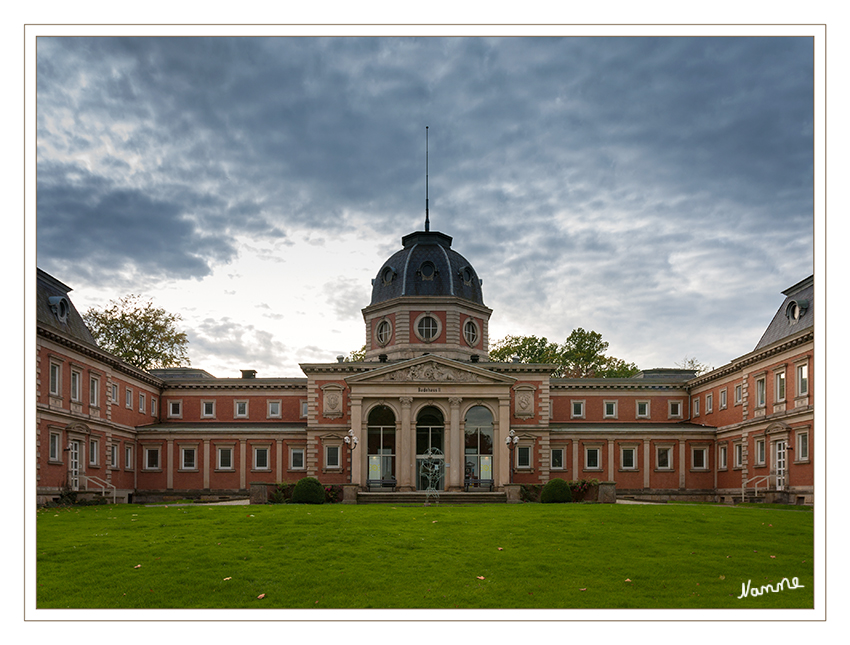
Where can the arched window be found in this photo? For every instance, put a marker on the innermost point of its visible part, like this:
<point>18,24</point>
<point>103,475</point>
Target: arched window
<point>429,435</point>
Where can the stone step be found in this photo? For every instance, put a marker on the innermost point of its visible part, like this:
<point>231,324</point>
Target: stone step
<point>419,497</point>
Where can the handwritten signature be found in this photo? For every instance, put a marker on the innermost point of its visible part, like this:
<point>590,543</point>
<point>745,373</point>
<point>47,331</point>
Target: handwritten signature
<point>746,590</point>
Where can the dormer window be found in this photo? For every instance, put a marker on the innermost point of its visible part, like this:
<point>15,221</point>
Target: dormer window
<point>60,306</point>
<point>388,275</point>
<point>427,270</point>
<point>795,310</point>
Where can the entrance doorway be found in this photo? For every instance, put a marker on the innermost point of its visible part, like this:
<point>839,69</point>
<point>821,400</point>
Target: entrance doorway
<point>430,431</point>
<point>74,465</point>
<point>478,448</point>
<point>380,446</point>
<point>779,460</point>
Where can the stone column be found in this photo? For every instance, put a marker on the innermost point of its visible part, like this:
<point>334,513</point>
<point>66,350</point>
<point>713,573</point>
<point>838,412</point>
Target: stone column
<point>243,474</point>
<point>169,464</point>
<point>278,452</point>
<point>207,458</point>
<point>610,460</point>
<point>502,453</point>
<point>647,463</point>
<point>358,457</point>
<point>454,456</point>
<point>575,460</point>
<point>405,457</point>
<point>683,464</point>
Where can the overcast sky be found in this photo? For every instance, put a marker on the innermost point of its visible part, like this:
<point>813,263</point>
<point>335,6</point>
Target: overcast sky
<point>656,190</point>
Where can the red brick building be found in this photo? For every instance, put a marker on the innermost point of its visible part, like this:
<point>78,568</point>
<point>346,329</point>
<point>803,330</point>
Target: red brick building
<point>426,385</point>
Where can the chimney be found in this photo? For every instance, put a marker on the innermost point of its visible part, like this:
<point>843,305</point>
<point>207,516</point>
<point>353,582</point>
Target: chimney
<point>249,373</point>
<point>340,359</point>
<point>382,358</point>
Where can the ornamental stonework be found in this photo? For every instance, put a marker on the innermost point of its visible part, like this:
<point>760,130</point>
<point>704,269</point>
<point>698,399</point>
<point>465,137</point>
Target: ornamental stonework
<point>433,372</point>
<point>332,403</point>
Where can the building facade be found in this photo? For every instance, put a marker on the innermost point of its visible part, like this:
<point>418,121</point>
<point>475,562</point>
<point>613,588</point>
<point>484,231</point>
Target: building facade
<point>425,391</point>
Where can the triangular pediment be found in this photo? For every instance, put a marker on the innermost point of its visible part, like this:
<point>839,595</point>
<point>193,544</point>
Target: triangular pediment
<point>431,369</point>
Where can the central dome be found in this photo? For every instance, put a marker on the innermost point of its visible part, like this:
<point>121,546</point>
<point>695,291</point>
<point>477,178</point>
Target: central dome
<point>426,266</point>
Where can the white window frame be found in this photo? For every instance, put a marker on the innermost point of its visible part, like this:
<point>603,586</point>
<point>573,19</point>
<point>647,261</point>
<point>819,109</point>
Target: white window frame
<point>802,373</point>
<point>384,325</point>
<point>739,394</point>
<point>185,451</point>
<point>581,404</point>
<point>473,324</point>
<point>695,407</point>
<point>153,406</point>
<point>623,451</point>
<point>761,391</point>
<point>149,451</point>
<point>115,393</point>
<point>801,439</point>
<point>437,333</point>
<point>598,451</point>
<point>563,465</point>
<point>54,446</point>
<point>723,399</point>
<point>129,463</point>
<point>738,452</point>
<point>780,389</point>
<point>270,413</point>
<point>670,413</point>
<point>94,391</point>
<point>236,404</point>
<point>330,448</point>
<point>76,386</point>
<point>257,451</point>
<point>761,452</point>
<point>722,457</point>
<point>659,450</point>
<point>221,450</point>
<point>304,406</point>
<point>178,414</point>
<point>94,451</point>
<point>520,451</point>
<point>613,404</point>
<point>302,453</point>
<point>709,403</point>
<point>703,450</point>
<point>211,413</point>
<point>142,402</point>
<point>113,456</point>
<point>54,385</point>
<point>128,398</point>
<point>645,415</point>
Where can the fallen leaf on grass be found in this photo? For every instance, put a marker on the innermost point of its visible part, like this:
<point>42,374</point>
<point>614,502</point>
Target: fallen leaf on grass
<point>138,566</point>
<point>433,521</point>
<point>723,577</point>
<point>585,589</point>
<point>227,578</point>
<point>628,580</point>
<point>480,577</point>
<point>501,549</point>
<point>261,596</point>
<point>773,556</point>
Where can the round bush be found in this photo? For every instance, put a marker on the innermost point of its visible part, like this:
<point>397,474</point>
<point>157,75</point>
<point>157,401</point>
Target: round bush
<point>556,491</point>
<point>308,491</point>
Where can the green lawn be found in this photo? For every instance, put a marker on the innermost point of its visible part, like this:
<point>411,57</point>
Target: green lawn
<point>497,556</point>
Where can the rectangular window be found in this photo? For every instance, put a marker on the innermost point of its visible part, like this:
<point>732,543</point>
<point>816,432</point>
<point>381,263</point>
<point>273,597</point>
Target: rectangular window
<point>115,393</point>
<point>207,409</point>
<point>175,409</point>
<point>664,458</point>
<point>141,402</point>
<point>261,458</point>
<point>780,387</point>
<point>591,459</point>
<point>674,409</point>
<point>151,458</point>
<point>709,403</point>
<point>577,411</point>
<point>128,457</point>
<point>643,409</point>
<point>557,458</point>
<point>523,457</point>
<point>75,385</point>
<point>187,459</point>
<point>331,456</point>
<point>274,409</point>
<point>698,458</point>
<point>55,379</point>
<point>610,410</point>
<point>802,380</point>
<point>296,458</point>
<point>225,458</point>
<point>93,452</point>
<point>738,394</point>
<point>128,398</point>
<point>94,391</point>
<point>240,409</point>
<point>739,455</point>
<point>303,409</point>
<point>153,407</point>
<point>760,452</point>
<point>723,399</point>
<point>113,456</point>
<point>55,438</point>
<point>722,458</point>
<point>695,406</point>
<point>760,393</point>
<point>802,446</point>
<point>627,458</point>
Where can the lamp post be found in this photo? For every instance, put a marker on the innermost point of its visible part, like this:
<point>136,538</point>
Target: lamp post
<point>351,441</point>
<point>511,441</point>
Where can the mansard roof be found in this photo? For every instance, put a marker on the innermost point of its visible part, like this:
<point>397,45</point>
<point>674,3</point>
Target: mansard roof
<point>796,313</point>
<point>54,308</point>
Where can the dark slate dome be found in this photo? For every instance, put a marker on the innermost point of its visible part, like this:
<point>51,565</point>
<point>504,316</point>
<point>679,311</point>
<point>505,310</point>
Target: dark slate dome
<point>426,266</point>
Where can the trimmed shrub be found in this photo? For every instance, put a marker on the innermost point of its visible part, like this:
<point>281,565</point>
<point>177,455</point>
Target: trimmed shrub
<point>556,491</point>
<point>308,491</point>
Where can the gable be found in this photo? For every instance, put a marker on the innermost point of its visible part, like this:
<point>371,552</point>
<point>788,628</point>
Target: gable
<point>431,369</point>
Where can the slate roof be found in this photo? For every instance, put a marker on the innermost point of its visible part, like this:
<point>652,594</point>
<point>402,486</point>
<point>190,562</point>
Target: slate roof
<point>404,274</point>
<point>783,324</point>
<point>48,287</point>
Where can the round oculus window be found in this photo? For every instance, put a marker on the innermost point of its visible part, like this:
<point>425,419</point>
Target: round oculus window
<point>470,333</point>
<point>427,270</point>
<point>383,332</point>
<point>387,275</point>
<point>428,328</point>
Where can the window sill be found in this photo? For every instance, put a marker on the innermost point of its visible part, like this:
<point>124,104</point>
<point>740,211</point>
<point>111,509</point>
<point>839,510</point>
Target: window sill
<point>331,470</point>
<point>296,470</point>
<point>700,470</point>
<point>628,470</point>
<point>151,470</point>
<point>187,470</point>
<point>665,470</point>
<point>224,470</point>
<point>56,462</point>
<point>759,465</point>
<point>592,470</point>
<point>801,461</point>
<point>261,470</point>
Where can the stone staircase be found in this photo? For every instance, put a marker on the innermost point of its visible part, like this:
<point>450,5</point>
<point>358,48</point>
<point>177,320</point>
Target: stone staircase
<point>417,498</point>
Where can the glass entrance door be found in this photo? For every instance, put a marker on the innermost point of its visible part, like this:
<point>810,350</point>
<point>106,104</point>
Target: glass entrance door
<point>430,432</point>
<point>74,466</point>
<point>380,444</point>
<point>478,448</point>
<point>780,463</point>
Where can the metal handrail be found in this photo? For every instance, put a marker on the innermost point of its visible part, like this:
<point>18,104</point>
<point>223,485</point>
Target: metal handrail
<point>756,479</point>
<point>103,484</point>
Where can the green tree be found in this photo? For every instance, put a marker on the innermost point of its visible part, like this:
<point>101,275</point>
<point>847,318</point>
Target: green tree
<point>582,355</point>
<point>139,333</point>
<point>356,355</point>
<point>693,364</point>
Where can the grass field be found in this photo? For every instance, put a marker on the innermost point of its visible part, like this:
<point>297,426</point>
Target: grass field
<point>496,556</point>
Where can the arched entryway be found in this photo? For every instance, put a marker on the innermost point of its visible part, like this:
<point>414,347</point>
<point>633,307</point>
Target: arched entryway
<point>430,434</point>
<point>478,448</point>
<point>381,446</point>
